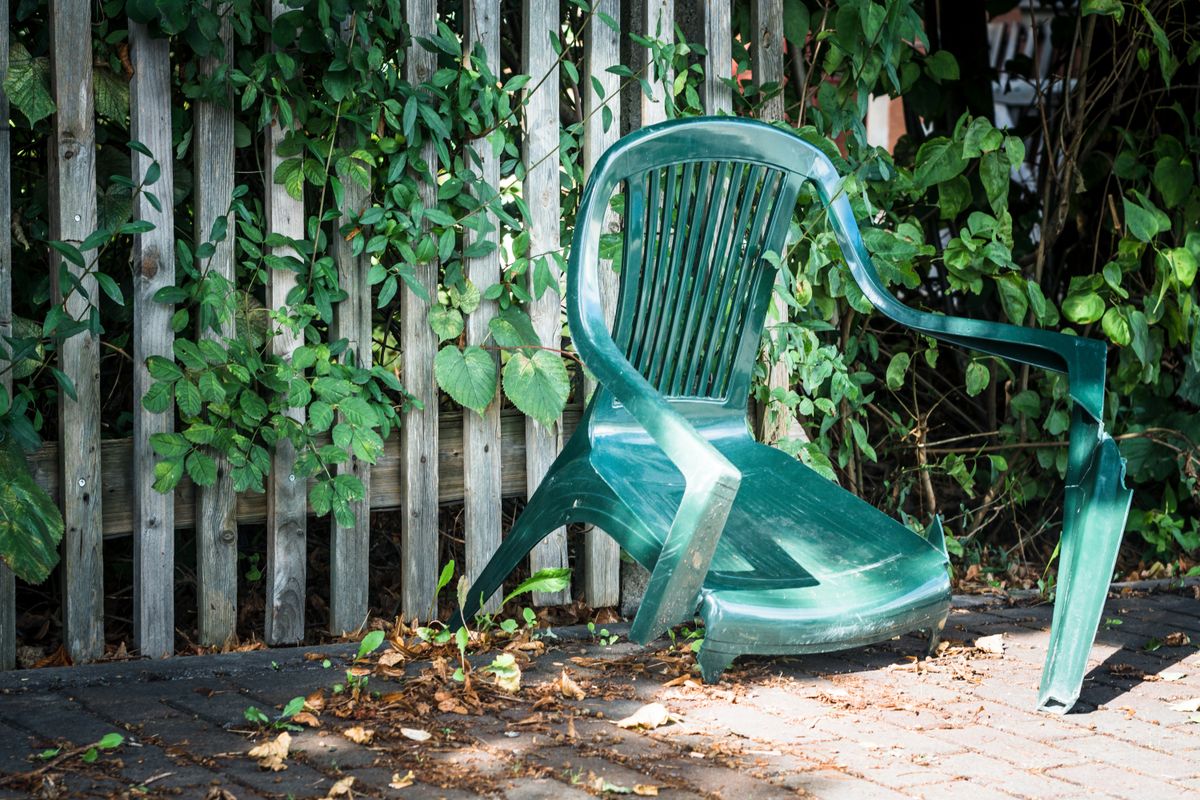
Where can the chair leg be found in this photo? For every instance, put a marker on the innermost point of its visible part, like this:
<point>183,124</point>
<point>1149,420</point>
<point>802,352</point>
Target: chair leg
<point>1093,523</point>
<point>541,516</point>
<point>713,662</point>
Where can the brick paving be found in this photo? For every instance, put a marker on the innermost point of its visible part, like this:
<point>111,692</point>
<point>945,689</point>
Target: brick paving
<point>866,723</point>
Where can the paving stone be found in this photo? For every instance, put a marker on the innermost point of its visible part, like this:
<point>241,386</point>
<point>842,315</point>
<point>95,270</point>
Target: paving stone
<point>835,785</point>
<point>1115,781</point>
<point>544,789</point>
<point>1023,751</point>
<point>1130,757</point>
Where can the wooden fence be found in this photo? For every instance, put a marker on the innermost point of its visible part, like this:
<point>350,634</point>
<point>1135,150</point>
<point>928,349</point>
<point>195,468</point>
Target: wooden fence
<point>105,487</point>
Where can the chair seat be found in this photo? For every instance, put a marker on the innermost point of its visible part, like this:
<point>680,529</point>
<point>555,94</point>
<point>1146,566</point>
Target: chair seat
<point>802,565</point>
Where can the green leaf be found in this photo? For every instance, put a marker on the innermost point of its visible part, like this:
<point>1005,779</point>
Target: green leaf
<point>1083,308</point>
<point>468,376</point>
<point>201,468</point>
<point>977,378</point>
<point>1012,297</point>
<point>170,445</point>
<point>994,173</point>
<point>369,644</point>
<point>167,475</point>
<point>896,369</point>
<point>290,173</point>
<point>447,323</point>
<point>1143,218</point>
<point>943,66</point>
<point>31,526</point>
<point>320,416</point>
<point>545,580</point>
<point>1108,8</point>
<point>1183,264</point>
<point>163,369</point>
<point>27,84</point>
<point>938,160</point>
<point>537,384</point>
<point>187,396</point>
<point>1173,177</point>
<point>795,21</point>
<point>446,576</point>
<point>1116,327</point>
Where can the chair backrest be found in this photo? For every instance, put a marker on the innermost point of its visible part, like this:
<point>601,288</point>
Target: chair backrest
<point>705,200</point>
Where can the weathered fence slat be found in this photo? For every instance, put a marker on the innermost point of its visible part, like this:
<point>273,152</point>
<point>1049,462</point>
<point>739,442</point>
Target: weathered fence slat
<point>718,60</point>
<point>8,585</point>
<point>543,196</point>
<point>216,505</point>
<point>350,545</point>
<point>286,523</point>
<point>73,218</point>
<point>601,50</point>
<point>153,269</point>
<point>766,50</point>
<point>481,432</point>
<point>657,22</point>
<point>419,430</point>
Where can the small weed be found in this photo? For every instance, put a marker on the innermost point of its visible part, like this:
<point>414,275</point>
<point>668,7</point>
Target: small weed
<point>256,716</point>
<point>1112,622</point>
<point>602,636</point>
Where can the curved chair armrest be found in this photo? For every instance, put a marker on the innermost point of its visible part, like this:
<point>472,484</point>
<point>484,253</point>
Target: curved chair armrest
<point>1097,501</point>
<point>711,481</point>
<point>1081,359</point>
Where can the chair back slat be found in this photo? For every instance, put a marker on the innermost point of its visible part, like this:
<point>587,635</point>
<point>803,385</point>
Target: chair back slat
<point>696,231</point>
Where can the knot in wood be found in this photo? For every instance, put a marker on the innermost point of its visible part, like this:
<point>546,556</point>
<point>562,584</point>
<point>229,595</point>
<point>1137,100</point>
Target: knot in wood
<point>69,146</point>
<point>149,262</point>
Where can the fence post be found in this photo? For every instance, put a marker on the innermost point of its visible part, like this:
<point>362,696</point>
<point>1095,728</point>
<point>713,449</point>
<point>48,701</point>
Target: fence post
<point>419,430</point>
<point>350,546</point>
<point>72,219</point>
<point>8,584</point>
<point>481,432</point>
<point>601,50</point>
<point>216,505</point>
<point>766,50</point>
<point>286,506</point>
<point>718,60</point>
<point>543,196</point>
<point>153,269</point>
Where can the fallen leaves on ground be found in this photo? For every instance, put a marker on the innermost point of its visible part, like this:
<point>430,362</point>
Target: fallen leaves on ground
<point>416,734</point>
<point>271,755</point>
<point>648,717</point>
<point>1177,639</point>
<point>341,788</point>
<point>402,781</point>
<point>569,688</point>
<point>359,735</point>
<point>604,786</point>
<point>992,645</point>
<point>1187,706</point>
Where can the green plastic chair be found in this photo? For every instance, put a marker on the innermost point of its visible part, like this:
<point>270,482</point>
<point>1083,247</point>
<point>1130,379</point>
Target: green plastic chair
<point>778,559</point>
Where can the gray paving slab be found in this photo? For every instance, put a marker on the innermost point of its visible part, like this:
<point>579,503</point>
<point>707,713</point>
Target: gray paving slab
<point>866,723</point>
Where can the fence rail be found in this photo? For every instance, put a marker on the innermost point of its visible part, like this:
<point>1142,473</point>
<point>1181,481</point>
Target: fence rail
<point>105,488</point>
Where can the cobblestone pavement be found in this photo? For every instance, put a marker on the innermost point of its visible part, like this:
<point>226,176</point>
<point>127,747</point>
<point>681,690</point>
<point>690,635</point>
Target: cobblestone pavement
<point>867,723</point>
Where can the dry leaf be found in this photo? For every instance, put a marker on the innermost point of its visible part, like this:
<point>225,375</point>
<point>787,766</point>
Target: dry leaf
<point>402,781</point>
<point>993,644</point>
<point>648,716</point>
<point>1187,706</point>
<point>359,735</point>
<point>271,754</point>
<point>315,702</point>
<point>1177,639</point>
<point>341,788</point>
<point>569,688</point>
<point>219,793</point>
<point>391,658</point>
<point>416,734</point>
<point>306,718</point>
<point>645,790</point>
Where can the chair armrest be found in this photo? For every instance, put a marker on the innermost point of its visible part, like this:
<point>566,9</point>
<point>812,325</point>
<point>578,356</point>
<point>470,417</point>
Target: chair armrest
<point>711,480</point>
<point>1081,359</point>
